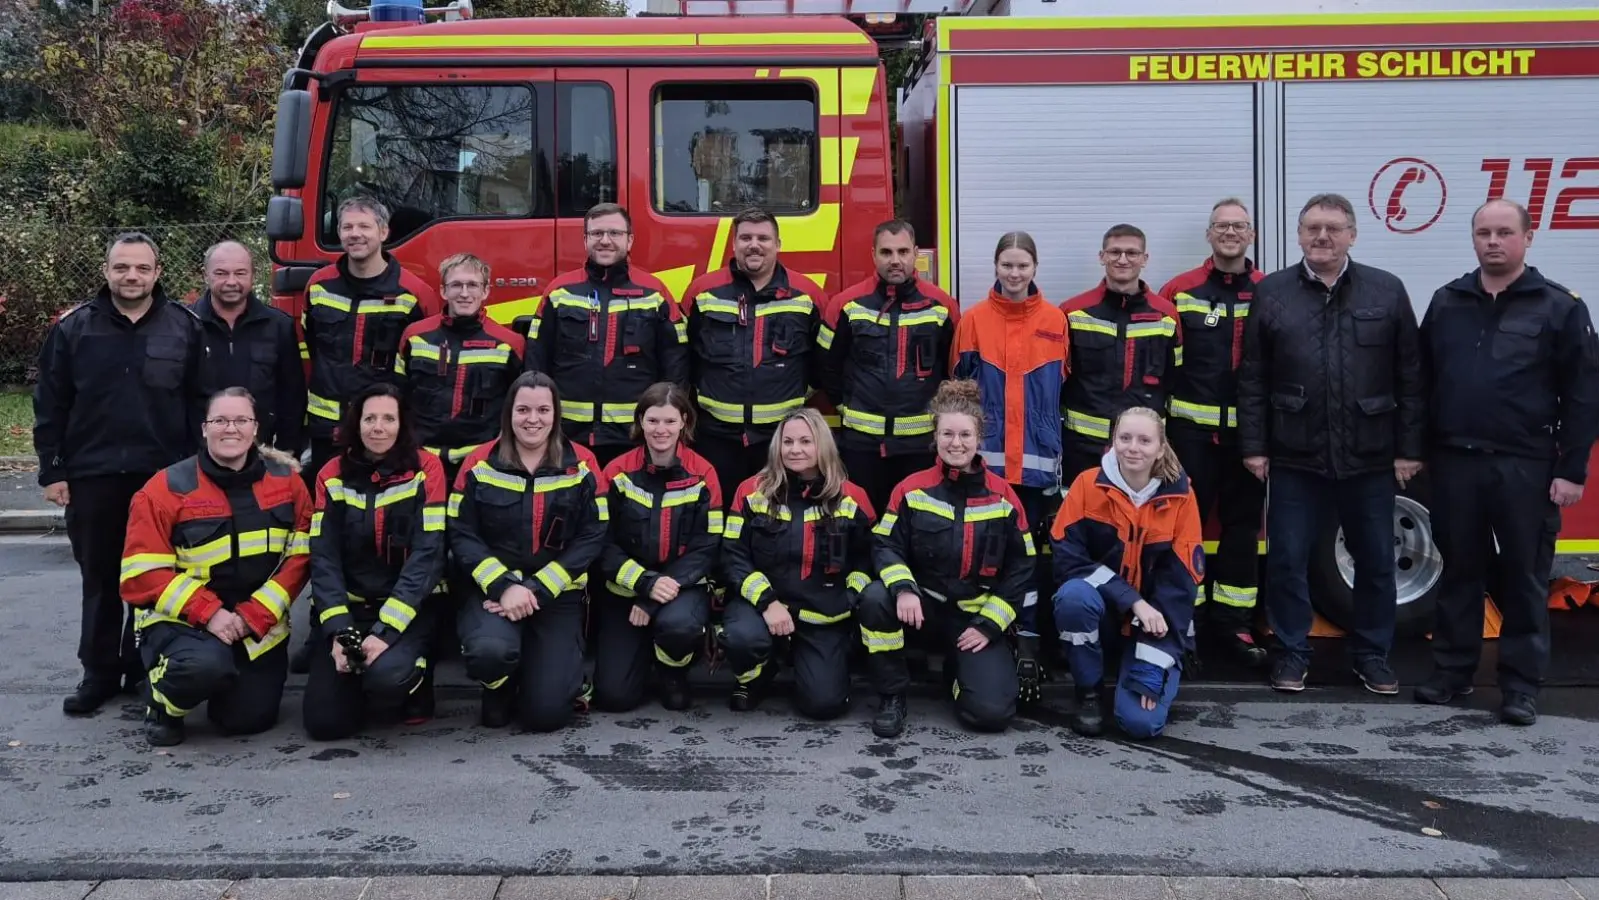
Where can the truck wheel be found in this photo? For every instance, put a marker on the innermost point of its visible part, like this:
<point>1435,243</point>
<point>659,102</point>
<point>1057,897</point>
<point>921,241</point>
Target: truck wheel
<point>1418,566</point>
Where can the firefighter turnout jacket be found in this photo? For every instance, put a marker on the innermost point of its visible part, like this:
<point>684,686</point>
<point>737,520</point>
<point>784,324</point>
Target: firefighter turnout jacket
<point>1150,548</point>
<point>1019,356</point>
<point>202,538</point>
<point>754,354</point>
<point>116,396</point>
<point>377,542</point>
<point>812,556</point>
<point>260,353</point>
<point>456,372</point>
<point>350,331</point>
<point>958,538</point>
<point>1212,307</point>
<point>1124,349</point>
<point>886,348</point>
<point>665,521</point>
<point>1516,373</point>
<point>605,334</point>
<point>539,529</point>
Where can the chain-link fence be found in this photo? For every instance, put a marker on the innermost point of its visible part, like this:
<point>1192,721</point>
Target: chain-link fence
<point>46,267</point>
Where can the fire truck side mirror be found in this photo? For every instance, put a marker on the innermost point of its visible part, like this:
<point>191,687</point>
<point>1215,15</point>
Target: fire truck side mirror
<point>285,218</point>
<point>291,140</point>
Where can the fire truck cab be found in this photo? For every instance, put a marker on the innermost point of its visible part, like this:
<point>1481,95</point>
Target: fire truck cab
<point>495,137</point>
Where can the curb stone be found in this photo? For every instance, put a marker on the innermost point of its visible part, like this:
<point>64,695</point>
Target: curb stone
<point>31,521</point>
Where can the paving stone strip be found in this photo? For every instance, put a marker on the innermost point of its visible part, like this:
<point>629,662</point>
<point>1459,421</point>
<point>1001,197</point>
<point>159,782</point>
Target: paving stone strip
<point>815,887</point>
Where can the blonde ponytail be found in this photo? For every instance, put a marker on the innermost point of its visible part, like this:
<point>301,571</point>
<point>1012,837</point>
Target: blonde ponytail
<point>1168,468</point>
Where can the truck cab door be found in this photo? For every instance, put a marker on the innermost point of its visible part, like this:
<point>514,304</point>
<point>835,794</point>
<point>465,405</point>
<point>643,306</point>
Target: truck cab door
<point>590,133</point>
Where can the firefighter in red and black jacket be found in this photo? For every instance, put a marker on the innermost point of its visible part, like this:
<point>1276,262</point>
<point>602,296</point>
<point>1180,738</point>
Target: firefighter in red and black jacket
<point>1212,304</point>
<point>665,535</point>
<point>528,515</point>
<point>377,551</point>
<point>354,315</point>
<point>753,327</point>
<point>604,333</point>
<point>457,366</point>
<point>1125,344</point>
<point>886,348</point>
<point>796,547</point>
<point>217,548</point>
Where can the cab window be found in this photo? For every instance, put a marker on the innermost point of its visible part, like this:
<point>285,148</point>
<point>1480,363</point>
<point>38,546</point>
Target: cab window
<point>721,147</point>
<point>586,155</point>
<point>437,152</point>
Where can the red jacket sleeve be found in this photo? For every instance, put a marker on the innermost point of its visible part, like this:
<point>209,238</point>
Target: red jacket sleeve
<point>150,576</point>
<point>270,602</point>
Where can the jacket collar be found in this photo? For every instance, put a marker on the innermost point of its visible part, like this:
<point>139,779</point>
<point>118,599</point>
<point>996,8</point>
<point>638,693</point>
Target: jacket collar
<point>462,323</point>
<point>776,289</point>
<point>610,276</point>
<point>1530,281</point>
<point>1226,278</point>
<point>1012,308</point>
<point>206,309</point>
<point>967,482</point>
<point>102,299</point>
<point>225,478</point>
<point>389,267</point>
<point>1117,298</point>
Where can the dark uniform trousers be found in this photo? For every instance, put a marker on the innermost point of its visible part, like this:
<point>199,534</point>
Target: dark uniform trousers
<point>1035,618</point>
<point>1078,454</point>
<point>541,657</point>
<point>820,655</point>
<point>1478,498</point>
<point>336,705</point>
<point>625,654</point>
<point>1222,485</point>
<point>877,475</point>
<point>189,666</point>
<point>732,461</point>
<point>97,526</point>
<point>983,684</point>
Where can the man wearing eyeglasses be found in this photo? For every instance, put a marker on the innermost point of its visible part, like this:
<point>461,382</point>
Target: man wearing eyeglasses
<point>604,333</point>
<point>118,400</point>
<point>252,345</point>
<point>1212,303</point>
<point>1331,411</point>
<point>456,367</point>
<point>1125,344</point>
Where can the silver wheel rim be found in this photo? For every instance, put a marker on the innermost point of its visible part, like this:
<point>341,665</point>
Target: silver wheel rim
<point>1417,562</point>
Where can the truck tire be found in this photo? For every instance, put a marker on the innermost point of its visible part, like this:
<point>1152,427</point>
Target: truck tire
<point>1417,571</point>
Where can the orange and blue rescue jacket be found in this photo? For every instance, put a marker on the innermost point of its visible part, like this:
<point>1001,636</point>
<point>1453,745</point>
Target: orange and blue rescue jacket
<point>1153,550</point>
<point>1019,356</point>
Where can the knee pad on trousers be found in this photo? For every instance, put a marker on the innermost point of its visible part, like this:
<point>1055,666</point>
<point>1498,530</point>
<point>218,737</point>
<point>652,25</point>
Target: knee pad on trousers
<point>1142,725</point>
<point>821,712</point>
<point>983,716</point>
<point>490,659</point>
<point>679,639</point>
<point>244,722</point>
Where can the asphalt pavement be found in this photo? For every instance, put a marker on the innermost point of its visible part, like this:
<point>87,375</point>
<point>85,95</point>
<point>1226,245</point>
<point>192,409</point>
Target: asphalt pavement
<point>1332,782</point>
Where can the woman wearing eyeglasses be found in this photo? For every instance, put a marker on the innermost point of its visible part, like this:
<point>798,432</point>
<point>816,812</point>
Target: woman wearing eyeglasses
<point>217,549</point>
<point>377,552</point>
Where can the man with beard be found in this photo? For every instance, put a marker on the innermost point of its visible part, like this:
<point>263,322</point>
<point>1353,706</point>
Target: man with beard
<point>753,327</point>
<point>1513,367</point>
<point>251,345</point>
<point>118,400</point>
<point>885,348</point>
<point>604,333</point>
<point>1330,408</point>
<point>1212,305</point>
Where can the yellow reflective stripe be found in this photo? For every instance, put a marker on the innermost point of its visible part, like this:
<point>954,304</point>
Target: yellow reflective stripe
<point>1085,424</point>
<point>433,517</point>
<point>554,577</point>
<point>629,574</point>
<point>937,315</point>
<point>488,571</point>
<point>321,407</point>
<point>713,303</point>
<point>1027,541</point>
<point>727,412</point>
<point>991,608</point>
<point>487,474</point>
<point>1203,414</point>
<point>714,522</point>
<point>1164,328</point>
<point>680,328</point>
<point>632,491</point>
<point>1233,595</point>
<point>321,296</point>
<point>801,306</point>
<point>332,612</point>
<point>396,614</point>
<point>824,338</point>
<point>989,511</point>
<point>398,492</point>
<point>754,586</point>
<point>177,595</point>
<point>666,660</point>
<point>1082,321</point>
<point>316,524</point>
<point>869,423</point>
<point>920,500</point>
<point>618,590</point>
<point>681,496</point>
<point>421,349</point>
<point>1177,355</point>
<point>897,572</point>
<point>732,526</point>
<point>546,483</point>
<point>500,355</point>
<point>882,641</point>
<point>205,556</point>
<point>602,507</point>
<point>453,508</point>
<point>140,563</point>
<point>273,596</point>
<point>815,618</point>
<point>885,525</point>
<point>857,581</point>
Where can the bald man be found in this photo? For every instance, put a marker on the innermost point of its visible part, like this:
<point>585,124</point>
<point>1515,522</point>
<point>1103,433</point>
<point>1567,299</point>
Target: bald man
<point>251,345</point>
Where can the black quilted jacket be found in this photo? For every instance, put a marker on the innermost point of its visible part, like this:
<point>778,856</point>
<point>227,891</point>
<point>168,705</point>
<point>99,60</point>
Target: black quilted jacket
<point>1331,381</point>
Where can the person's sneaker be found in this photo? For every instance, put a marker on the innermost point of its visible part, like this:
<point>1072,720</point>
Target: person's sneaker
<point>1441,688</point>
<point>162,729</point>
<point>1518,708</point>
<point>890,719</point>
<point>90,695</point>
<point>1376,676</point>
<point>497,705</point>
<point>1288,674</point>
<point>674,688</point>
<point>1086,719</point>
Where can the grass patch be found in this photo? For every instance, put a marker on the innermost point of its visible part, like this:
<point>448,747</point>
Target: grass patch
<point>16,423</point>
<point>14,135</point>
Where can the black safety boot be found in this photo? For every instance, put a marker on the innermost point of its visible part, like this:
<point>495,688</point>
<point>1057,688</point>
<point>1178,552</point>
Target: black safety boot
<point>1441,688</point>
<point>497,703</point>
<point>1087,720</point>
<point>162,729</point>
<point>419,704</point>
<point>1242,649</point>
<point>673,686</point>
<point>748,695</point>
<point>90,695</point>
<point>890,719</point>
<point>1518,709</point>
